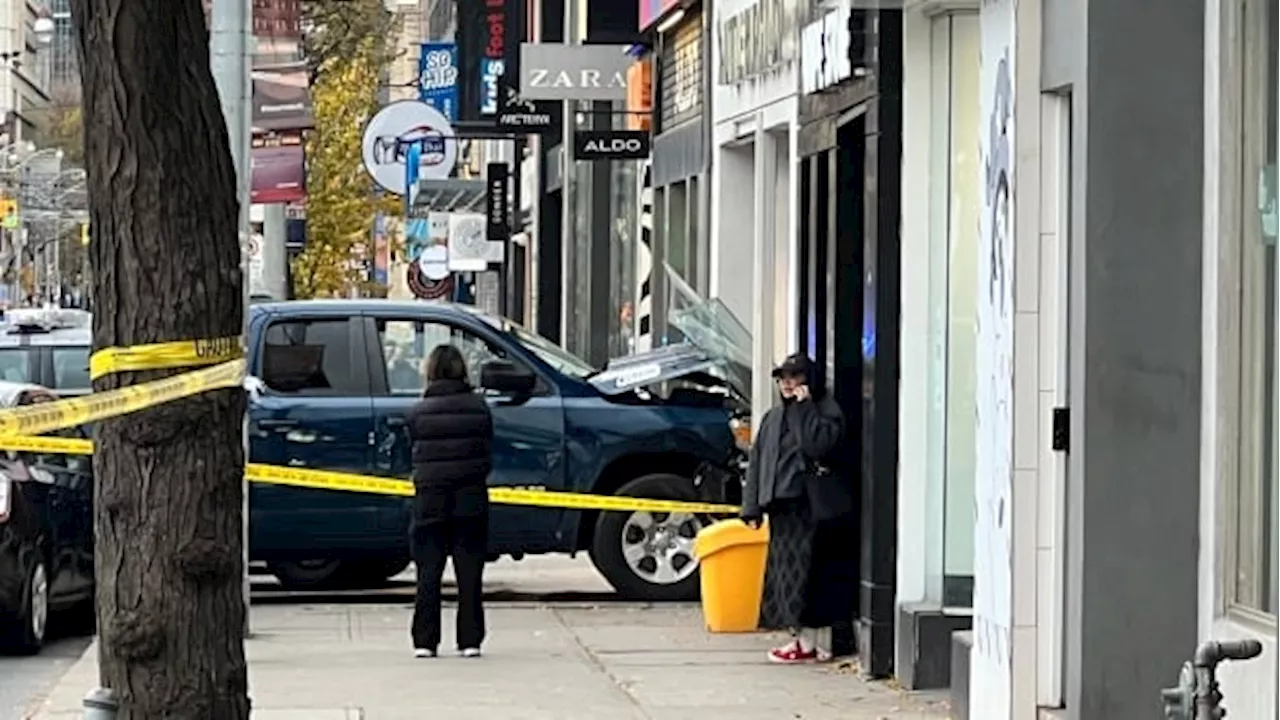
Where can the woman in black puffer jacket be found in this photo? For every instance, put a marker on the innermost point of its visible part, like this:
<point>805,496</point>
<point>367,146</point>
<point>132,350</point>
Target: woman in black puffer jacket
<point>452,432</point>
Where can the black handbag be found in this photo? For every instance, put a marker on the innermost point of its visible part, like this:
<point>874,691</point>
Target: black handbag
<point>829,496</point>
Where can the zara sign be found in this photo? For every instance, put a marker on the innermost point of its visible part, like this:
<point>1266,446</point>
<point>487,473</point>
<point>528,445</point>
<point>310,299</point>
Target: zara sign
<point>611,145</point>
<point>573,72</point>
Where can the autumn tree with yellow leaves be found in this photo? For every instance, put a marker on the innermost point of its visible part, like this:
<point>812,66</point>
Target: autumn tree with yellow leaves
<point>348,48</point>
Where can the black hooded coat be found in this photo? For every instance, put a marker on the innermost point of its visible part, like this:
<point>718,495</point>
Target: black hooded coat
<point>813,562</point>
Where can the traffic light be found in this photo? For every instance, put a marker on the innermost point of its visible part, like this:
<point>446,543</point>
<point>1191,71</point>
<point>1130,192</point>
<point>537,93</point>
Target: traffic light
<point>84,234</point>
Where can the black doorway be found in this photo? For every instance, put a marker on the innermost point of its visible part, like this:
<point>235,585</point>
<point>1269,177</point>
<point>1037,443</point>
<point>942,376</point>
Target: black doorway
<point>831,252</point>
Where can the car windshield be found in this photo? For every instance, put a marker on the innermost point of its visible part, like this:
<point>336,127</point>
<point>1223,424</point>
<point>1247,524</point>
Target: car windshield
<point>550,353</point>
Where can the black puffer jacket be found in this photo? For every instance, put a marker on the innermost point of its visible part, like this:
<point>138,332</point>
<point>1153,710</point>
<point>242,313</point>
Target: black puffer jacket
<point>452,432</point>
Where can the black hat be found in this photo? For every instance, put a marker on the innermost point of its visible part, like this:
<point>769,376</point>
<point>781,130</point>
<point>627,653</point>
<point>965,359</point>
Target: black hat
<point>795,364</point>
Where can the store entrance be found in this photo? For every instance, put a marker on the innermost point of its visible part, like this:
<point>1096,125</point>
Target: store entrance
<point>831,258</point>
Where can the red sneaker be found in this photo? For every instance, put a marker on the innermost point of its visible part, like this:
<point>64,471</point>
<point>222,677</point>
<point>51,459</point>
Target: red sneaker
<point>792,654</point>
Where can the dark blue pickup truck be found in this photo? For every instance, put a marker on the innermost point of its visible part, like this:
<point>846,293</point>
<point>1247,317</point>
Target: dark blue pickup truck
<point>334,378</point>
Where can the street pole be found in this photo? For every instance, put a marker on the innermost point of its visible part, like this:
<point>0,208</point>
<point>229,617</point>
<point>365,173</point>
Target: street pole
<point>230,38</point>
<point>569,184</point>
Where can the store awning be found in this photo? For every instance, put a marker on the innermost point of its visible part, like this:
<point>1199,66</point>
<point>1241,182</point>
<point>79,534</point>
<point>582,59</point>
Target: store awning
<point>451,195</point>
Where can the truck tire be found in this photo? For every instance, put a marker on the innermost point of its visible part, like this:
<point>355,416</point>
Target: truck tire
<point>374,572</point>
<point>649,556</point>
<point>308,574</point>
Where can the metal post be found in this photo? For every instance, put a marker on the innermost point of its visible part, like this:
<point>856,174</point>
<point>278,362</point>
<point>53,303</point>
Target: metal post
<point>569,182</point>
<point>230,38</point>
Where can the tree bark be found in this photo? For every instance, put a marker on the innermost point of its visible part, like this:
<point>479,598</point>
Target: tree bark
<point>166,266</point>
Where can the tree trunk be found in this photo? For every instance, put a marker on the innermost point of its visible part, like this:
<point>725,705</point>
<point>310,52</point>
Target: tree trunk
<point>166,266</point>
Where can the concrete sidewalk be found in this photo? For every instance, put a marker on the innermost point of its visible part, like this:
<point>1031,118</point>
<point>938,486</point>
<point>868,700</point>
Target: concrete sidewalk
<point>542,662</point>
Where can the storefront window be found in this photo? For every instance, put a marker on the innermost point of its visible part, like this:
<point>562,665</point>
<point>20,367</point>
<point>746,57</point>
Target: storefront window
<point>954,286</point>
<point>1256,522</point>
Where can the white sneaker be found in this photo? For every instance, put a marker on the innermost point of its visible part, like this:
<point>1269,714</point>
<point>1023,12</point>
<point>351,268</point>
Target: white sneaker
<point>469,652</point>
<point>424,653</point>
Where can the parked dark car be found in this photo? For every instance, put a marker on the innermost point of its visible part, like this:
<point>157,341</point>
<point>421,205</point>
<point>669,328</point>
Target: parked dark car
<point>47,347</point>
<point>336,377</point>
<point>46,536</point>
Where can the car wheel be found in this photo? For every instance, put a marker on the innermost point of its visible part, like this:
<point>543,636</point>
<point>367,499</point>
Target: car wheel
<point>26,632</point>
<point>649,556</point>
<point>307,574</point>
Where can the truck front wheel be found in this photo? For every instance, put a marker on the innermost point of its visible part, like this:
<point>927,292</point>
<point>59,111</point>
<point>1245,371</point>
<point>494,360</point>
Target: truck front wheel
<point>649,556</point>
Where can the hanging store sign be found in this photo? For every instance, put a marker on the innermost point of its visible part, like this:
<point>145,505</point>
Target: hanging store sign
<point>438,78</point>
<point>824,52</point>
<point>401,132</point>
<point>611,145</point>
<point>759,40</point>
<point>573,72</point>
<point>520,116</point>
<point>493,61</point>
<point>497,185</point>
<point>487,50</point>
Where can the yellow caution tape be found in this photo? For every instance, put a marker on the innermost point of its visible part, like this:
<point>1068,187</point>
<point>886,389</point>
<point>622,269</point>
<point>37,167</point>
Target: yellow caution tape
<point>165,356</point>
<point>47,445</point>
<point>325,480</point>
<point>47,417</point>
<point>351,482</point>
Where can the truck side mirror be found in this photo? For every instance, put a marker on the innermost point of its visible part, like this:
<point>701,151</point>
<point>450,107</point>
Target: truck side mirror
<point>505,377</point>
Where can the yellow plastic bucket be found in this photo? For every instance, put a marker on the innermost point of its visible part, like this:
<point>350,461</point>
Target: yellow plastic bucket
<point>732,558</point>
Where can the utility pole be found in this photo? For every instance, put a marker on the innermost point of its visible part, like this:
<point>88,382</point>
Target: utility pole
<point>230,53</point>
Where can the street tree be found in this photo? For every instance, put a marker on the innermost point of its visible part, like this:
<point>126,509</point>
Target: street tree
<point>166,266</point>
<point>60,125</point>
<point>347,48</point>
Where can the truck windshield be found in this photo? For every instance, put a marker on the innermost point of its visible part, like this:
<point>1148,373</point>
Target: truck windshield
<point>550,353</point>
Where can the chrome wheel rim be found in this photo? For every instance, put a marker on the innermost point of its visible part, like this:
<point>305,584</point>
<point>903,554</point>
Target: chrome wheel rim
<point>39,601</point>
<point>658,547</point>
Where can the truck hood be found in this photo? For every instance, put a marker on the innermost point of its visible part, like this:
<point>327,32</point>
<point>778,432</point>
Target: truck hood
<point>716,350</point>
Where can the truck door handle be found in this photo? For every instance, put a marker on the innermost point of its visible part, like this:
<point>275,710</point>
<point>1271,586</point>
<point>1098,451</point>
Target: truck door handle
<point>277,423</point>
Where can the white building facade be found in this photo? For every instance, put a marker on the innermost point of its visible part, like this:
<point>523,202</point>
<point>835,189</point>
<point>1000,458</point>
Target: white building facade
<point>754,206</point>
<point>1089,353</point>
<point>1240,436</point>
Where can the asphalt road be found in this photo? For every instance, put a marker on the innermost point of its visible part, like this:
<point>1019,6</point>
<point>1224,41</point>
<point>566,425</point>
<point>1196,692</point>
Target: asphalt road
<point>24,680</point>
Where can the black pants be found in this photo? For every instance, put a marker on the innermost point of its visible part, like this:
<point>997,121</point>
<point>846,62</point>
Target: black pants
<point>465,539</point>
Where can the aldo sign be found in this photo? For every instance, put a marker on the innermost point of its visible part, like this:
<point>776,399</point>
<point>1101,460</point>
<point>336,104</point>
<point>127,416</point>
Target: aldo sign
<point>573,72</point>
<point>611,145</point>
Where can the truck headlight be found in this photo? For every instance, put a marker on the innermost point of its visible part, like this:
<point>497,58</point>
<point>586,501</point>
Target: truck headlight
<point>741,429</point>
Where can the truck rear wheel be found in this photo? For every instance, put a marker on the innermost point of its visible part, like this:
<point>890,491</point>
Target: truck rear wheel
<point>649,556</point>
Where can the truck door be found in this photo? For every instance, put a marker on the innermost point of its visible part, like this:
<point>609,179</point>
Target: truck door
<point>528,446</point>
<point>313,412</point>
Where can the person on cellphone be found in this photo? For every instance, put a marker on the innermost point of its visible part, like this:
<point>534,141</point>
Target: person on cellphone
<point>452,433</point>
<point>808,580</point>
